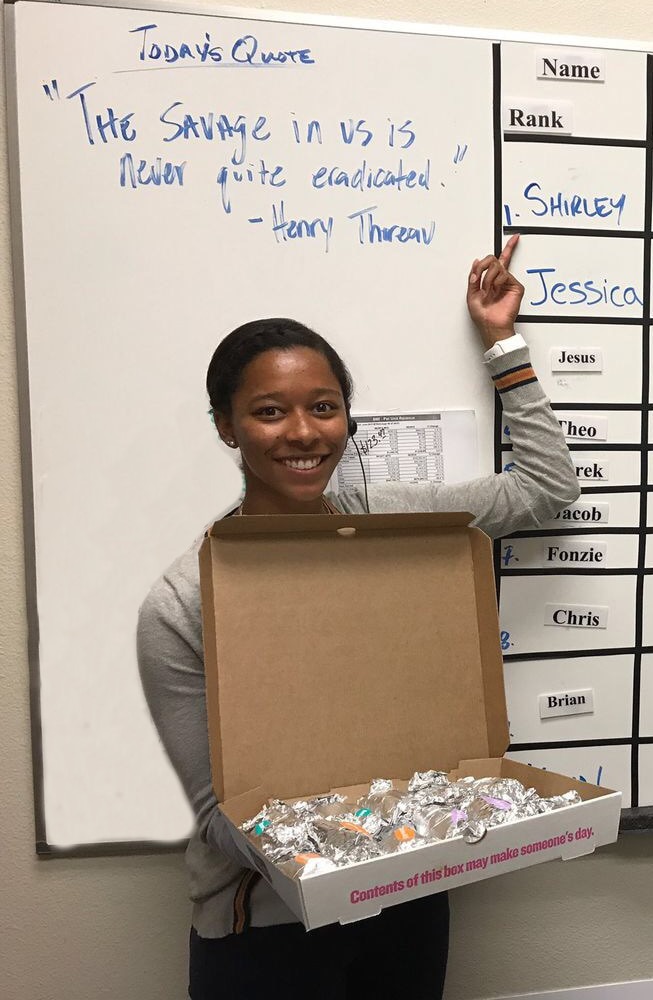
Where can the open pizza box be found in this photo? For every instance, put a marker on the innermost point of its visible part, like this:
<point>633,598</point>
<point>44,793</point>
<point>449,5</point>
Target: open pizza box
<point>342,648</point>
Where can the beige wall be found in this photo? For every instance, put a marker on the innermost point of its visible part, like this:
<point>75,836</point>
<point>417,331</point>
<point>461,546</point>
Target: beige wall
<point>117,928</point>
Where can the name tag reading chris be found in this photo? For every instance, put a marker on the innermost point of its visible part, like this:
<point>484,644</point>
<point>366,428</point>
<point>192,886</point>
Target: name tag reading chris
<point>576,615</point>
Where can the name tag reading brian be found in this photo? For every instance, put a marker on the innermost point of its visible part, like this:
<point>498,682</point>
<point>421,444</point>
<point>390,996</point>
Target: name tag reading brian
<point>566,703</point>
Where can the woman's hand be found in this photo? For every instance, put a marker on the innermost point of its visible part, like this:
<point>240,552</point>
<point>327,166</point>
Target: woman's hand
<point>494,295</point>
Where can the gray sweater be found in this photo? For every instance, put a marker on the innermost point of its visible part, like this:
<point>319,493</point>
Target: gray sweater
<point>540,482</point>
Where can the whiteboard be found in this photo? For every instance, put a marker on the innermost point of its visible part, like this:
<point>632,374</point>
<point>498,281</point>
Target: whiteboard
<point>255,162</point>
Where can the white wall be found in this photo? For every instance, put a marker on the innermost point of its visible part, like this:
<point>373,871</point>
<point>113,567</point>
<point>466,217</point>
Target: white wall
<point>117,928</point>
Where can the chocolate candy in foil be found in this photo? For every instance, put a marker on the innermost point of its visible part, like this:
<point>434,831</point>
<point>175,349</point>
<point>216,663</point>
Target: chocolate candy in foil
<point>400,838</point>
<point>423,781</point>
<point>441,823</point>
<point>474,832</point>
<point>332,806</point>
<point>306,865</point>
<point>281,841</point>
<point>280,830</point>
<point>571,798</point>
<point>275,811</point>
<point>491,811</point>
<point>508,789</point>
<point>343,841</point>
<point>371,822</point>
<point>390,803</point>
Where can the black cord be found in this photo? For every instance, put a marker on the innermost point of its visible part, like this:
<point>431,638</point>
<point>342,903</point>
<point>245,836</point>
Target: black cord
<point>367,502</point>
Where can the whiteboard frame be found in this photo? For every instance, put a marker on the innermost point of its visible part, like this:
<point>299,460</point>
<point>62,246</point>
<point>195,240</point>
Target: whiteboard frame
<point>636,819</point>
<point>357,23</point>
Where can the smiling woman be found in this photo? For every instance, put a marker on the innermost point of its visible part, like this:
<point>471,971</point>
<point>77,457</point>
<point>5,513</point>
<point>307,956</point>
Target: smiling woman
<point>282,395</point>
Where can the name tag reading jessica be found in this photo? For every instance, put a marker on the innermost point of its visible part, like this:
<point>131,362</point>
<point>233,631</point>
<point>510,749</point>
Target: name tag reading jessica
<point>576,615</point>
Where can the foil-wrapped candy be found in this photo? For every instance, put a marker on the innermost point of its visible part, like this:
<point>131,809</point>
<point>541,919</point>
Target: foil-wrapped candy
<point>386,800</point>
<point>427,781</point>
<point>344,841</point>
<point>313,835</point>
<point>306,865</point>
<point>280,830</point>
<point>400,838</point>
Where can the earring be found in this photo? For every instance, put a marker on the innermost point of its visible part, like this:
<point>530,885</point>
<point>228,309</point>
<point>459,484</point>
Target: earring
<point>231,443</point>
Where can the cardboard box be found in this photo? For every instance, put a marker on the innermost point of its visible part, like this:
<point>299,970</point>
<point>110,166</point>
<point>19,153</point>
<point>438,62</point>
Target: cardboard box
<point>345,648</point>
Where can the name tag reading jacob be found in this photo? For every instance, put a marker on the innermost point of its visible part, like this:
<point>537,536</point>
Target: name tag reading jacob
<point>584,513</point>
<point>576,615</point>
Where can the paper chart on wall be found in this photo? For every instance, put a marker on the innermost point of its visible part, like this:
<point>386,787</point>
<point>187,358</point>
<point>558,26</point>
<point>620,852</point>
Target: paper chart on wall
<point>436,447</point>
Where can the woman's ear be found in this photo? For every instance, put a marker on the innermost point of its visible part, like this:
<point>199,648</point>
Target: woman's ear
<point>225,429</point>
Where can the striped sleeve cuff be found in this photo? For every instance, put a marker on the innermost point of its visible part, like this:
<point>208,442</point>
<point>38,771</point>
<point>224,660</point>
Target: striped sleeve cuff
<point>514,378</point>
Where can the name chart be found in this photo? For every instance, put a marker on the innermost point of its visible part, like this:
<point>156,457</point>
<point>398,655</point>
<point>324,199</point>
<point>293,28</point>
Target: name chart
<point>577,638</point>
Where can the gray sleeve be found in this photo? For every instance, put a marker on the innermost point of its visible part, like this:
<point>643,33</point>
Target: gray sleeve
<point>169,649</point>
<point>539,481</point>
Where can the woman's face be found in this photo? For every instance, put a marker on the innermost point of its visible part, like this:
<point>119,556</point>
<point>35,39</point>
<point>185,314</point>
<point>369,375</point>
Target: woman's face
<point>288,418</point>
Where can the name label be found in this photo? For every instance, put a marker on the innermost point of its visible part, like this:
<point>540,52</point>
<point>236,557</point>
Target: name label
<point>584,513</point>
<point>583,426</point>
<point>596,472</point>
<point>574,67</point>
<point>576,615</point>
<point>566,703</point>
<point>587,359</point>
<point>538,116</point>
<point>575,552</point>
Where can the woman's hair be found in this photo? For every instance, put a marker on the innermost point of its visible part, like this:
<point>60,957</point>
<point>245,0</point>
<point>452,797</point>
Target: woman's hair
<point>243,344</point>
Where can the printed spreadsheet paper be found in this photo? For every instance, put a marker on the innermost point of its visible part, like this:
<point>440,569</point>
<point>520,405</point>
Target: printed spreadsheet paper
<point>436,447</point>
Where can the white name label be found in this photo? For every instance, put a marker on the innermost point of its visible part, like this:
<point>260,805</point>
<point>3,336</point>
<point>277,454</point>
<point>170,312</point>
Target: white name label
<point>584,513</point>
<point>537,116</point>
<point>574,552</point>
<point>576,615</point>
<point>575,67</point>
<point>580,426</point>
<point>566,703</point>
<point>585,359</point>
<point>587,469</point>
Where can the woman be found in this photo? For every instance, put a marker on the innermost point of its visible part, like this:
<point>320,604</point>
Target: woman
<point>282,396</point>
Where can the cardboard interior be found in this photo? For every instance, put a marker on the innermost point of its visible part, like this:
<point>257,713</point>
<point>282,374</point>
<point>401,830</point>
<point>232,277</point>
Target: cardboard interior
<point>340,649</point>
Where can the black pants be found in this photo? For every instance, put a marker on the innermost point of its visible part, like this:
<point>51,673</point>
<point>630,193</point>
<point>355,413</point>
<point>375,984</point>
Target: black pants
<point>402,952</point>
